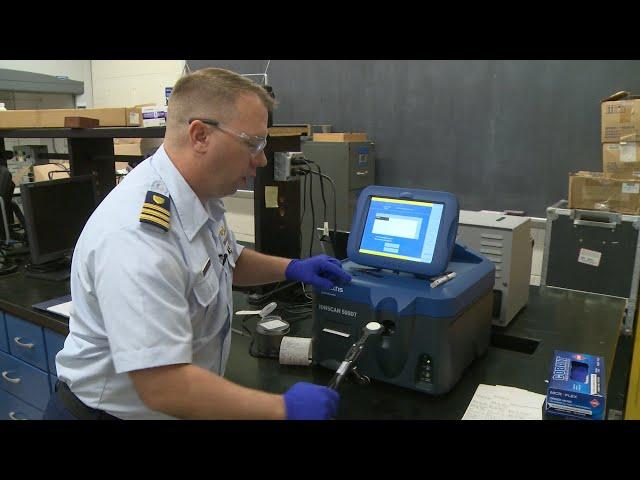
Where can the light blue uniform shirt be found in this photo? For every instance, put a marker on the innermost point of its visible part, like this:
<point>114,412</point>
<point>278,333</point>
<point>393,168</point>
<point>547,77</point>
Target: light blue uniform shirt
<point>143,297</point>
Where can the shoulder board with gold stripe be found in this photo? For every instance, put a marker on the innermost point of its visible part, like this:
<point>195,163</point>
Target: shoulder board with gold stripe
<point>156,210</point>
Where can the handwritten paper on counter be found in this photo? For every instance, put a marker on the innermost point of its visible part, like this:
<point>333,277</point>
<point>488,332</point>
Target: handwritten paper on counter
<point>499,402</point>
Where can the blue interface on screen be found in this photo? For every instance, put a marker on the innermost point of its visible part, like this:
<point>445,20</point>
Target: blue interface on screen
<point>402,229</point>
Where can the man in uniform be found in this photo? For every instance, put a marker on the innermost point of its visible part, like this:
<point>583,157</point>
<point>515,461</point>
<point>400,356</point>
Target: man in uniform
<point>152,272</point>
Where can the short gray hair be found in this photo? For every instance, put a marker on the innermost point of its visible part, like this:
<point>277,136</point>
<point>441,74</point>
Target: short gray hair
<point>211,91</point>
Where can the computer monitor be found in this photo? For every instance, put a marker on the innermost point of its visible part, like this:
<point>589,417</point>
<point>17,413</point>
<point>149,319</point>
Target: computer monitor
<point>55,213</point>
<point>408,230</point>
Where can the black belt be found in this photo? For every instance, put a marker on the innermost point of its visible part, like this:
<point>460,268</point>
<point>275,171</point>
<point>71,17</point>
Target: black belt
<point>75,406</point>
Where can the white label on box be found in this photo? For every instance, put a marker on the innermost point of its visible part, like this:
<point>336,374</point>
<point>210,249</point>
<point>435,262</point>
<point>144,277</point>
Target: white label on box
<point>628,152</point>
<point>134,117</point>
<point>631,188</point>
<point>590,257</point>
<point>272,324</point>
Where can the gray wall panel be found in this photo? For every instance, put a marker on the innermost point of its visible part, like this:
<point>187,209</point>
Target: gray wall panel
<point>500,134</point>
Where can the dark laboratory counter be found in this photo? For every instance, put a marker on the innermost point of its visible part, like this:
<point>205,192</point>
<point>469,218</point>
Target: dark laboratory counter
<point>519,356</point>
<point>18,292</point>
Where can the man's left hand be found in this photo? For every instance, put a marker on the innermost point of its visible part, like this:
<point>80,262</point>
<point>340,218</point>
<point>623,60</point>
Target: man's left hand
<point>321,271</point>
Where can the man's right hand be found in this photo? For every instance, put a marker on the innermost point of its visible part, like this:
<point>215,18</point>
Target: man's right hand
<point>306,401</point>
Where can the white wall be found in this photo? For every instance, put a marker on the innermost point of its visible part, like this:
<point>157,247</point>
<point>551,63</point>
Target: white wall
<point>79,70</point>
<point>119,83</point>
<point>240,215</point>
<point>110,83</point>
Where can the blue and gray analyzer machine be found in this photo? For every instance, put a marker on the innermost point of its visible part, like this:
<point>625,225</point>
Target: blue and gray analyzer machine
<point>401,241</point>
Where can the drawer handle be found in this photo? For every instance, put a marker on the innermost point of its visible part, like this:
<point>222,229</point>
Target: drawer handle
<point>23,345</point>
<point>12,416</point>
<point>366,172</point>
<point>9,379</point>
<point>590,223</point>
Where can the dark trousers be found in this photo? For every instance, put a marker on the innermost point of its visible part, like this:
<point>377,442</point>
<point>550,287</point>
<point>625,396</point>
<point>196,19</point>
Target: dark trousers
<point>64,405</point>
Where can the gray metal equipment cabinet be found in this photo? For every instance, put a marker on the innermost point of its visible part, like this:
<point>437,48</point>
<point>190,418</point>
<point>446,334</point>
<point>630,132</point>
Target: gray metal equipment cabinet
<point>593,251</point>
<point>506,241</point>
<point>352,166</point>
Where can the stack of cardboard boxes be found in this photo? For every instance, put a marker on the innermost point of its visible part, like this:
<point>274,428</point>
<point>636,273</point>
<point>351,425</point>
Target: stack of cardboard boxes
<point>135,146</point>
<point>617,187</point>
<point>152,116</point>
<point>54,118</point>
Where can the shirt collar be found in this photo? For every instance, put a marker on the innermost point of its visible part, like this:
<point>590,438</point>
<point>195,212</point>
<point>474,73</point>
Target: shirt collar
<point>191,213</point>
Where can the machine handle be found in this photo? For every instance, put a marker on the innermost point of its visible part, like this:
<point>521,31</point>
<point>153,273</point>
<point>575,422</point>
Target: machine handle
<point>339,375</point>
<point>23,345</point>
<point>9,379</point>
<point>591,223</point>
<point>350,359</point>
<point>560,204</point>
<point>12,416</point>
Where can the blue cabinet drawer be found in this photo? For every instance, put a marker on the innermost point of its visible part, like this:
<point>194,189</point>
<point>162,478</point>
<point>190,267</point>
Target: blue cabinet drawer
<point>4,345</point>
<point>24,381</point>
<point>54,342</point>
<point>12,408</point>
<point>26,341</point>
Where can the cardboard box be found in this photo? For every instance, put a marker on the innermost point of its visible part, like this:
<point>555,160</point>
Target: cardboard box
<point>576,386</point>
<point>136,146</point>
<point>81,122</point>
<point>599,191</point>
<point>621,159</point>
<point>108,117</point>
<point>41,172</point>
<point>154,116</point>
<point>621,118</point>
<point>339,137</point>
<point>127,149</point>
<point>124,141</point>
<point>289,130</point>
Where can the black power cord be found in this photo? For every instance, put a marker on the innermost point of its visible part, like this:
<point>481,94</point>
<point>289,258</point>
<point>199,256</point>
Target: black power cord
<point>335,208</point>
<point>290,311</point>
<point>324,201</point>
<point>254,300</point>
<point>301,162</point>
<point>63,167</point>
<point>309,171</point>
<point>304,173</point>
<point>313,213</point>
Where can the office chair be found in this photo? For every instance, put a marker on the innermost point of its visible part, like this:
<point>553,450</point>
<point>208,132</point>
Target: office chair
<point>7,206</point>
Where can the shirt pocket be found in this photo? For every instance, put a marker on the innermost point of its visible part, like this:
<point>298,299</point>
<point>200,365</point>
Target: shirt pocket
<point>231,261</point>
<point>206,288</point>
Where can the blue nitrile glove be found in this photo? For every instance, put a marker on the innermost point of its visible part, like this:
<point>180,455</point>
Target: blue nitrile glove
<point>321,271</point>
<point>306,401</point>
